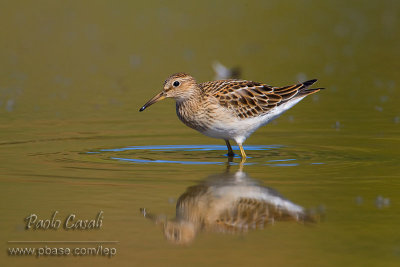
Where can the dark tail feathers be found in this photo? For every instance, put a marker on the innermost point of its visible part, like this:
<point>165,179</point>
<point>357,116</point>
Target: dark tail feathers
<point>308,91</point>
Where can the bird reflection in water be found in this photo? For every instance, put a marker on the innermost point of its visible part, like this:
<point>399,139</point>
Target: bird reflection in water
<point>227,203</point>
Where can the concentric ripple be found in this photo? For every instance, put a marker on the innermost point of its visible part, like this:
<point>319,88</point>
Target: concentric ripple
<point>197,155</point>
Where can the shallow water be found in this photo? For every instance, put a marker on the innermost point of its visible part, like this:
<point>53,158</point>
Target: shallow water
<point>72,140</point>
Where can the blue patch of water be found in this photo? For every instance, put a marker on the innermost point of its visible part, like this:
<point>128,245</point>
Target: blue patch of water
<point>276,160</point>
<point>170,148</point>
<point>283,165</point>
<point>169,161</point>
<point>189,148</point>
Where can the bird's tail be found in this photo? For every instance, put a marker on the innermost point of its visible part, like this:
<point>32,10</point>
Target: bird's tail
<point>304,90</point>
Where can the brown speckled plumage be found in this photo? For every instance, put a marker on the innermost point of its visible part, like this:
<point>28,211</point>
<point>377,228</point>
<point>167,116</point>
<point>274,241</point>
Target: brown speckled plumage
<point>247,99</point>
<point>229,109</point>
<point>229,203</point>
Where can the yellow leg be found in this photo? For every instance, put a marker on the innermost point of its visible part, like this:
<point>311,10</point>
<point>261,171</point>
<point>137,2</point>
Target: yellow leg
<point>242,152</point>
<point>230,151</point>
<point>241,165</point>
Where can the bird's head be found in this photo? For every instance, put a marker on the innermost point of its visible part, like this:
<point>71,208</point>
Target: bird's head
<point>180,86</point>
<point>179,232</point>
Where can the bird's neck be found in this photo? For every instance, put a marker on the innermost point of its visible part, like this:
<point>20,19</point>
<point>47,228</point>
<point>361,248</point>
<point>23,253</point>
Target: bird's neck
<point>188,106</point>
<point>189,95</point>
<point>189,110</point>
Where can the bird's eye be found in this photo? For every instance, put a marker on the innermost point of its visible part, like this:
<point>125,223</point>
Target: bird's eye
<point>176,83</point>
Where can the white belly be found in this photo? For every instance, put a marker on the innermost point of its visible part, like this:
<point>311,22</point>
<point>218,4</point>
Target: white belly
<point>240,129</point>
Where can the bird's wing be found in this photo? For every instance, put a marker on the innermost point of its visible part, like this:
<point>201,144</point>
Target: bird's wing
<point>250,99</point>
<point>249,213</point>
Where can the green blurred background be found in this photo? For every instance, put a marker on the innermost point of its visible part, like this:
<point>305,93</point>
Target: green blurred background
<point>63,59</point>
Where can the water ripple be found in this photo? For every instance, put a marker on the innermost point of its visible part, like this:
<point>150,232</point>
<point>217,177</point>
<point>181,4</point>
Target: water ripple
<point>190,148</point>
<point>155,154</point>
<point>169,161</point>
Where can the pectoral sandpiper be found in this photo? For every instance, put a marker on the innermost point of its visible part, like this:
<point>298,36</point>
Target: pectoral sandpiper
<point>228,203</point>
<point>229,109</point>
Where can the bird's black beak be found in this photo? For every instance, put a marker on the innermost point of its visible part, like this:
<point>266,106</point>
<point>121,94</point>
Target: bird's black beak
<point>155,99</point>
